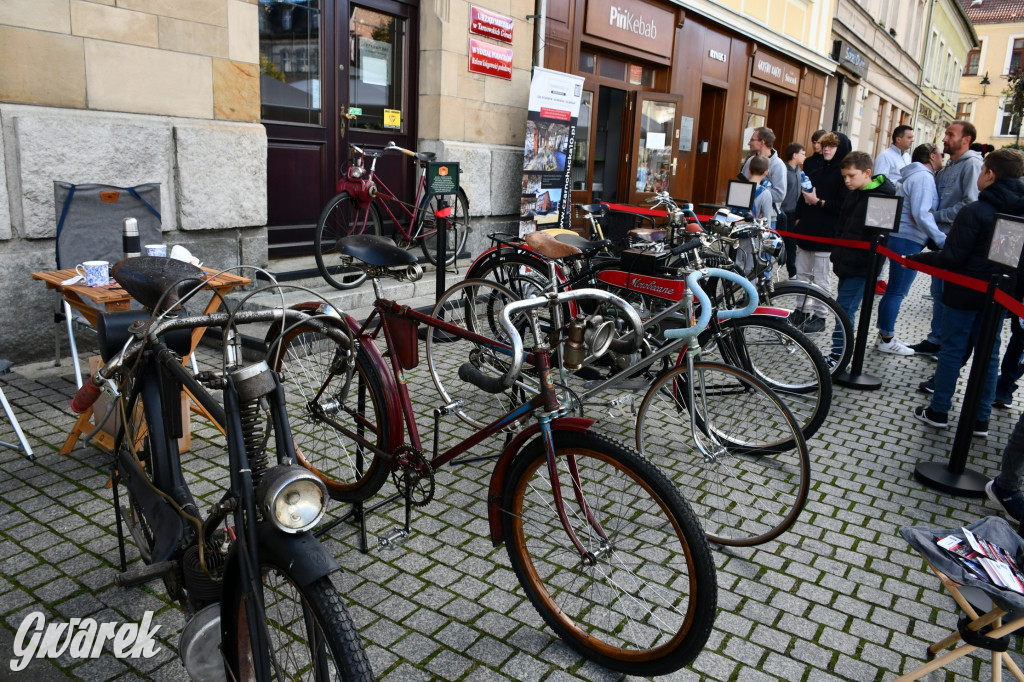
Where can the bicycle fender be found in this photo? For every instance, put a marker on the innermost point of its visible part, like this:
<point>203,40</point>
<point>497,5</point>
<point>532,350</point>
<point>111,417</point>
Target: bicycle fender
<point>770,311</point>
<point>497,484</point>
<point>484,259</point>
<point>301,555</point>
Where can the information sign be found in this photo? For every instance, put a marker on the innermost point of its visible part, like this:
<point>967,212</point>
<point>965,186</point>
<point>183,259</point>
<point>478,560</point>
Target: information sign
<point>442,177</point>
<point>490,60</point>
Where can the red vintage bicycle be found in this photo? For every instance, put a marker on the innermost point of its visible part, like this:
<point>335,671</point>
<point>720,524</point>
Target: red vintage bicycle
<point>356,209</point>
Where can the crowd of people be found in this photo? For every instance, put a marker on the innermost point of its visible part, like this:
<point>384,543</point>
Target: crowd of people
<point>950,200</point>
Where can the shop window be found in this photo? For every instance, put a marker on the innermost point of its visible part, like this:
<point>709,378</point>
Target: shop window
<point>1017,56</point>
<point>755,115</point>
<point>290,61</point>
<point>617,69</point>
<point>973,59</point>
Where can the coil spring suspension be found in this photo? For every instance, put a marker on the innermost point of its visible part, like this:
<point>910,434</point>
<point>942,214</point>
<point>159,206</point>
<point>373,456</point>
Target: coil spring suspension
<point>254,435</point>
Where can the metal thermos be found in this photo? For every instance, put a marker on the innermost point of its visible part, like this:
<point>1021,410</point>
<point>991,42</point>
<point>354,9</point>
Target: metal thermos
<point>130,238</point>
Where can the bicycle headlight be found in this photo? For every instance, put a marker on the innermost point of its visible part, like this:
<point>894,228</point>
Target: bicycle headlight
<point>292,498</point>
<point>355,172</point>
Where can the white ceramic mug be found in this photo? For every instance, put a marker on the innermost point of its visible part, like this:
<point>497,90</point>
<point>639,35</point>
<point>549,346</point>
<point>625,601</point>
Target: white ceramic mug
<point>156,250</point>
<point>95,272</point>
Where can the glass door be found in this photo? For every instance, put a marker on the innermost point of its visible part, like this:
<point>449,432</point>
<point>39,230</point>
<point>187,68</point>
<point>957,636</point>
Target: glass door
<point>655,155</point>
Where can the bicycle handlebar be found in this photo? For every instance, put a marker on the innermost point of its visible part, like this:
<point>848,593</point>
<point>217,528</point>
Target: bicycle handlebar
<point>693,284</point>
<point>551,299</point>
<point>90,390</point>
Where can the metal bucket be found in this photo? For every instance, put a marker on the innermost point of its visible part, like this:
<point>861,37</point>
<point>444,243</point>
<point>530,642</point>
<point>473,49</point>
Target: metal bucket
<point>199,646</point>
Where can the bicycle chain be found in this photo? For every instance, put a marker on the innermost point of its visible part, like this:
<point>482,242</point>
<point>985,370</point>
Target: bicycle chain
<point>413,475</point>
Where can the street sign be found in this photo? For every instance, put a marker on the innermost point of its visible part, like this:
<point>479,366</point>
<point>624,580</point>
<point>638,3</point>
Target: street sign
<point>442,177</point>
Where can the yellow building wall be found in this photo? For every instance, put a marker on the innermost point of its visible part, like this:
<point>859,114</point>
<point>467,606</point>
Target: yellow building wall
<point>985,101</point>
<point>807,22</point>
<point>191,58</point>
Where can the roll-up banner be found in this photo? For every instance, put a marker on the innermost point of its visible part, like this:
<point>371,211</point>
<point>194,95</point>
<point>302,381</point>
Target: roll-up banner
<point>547,160</point>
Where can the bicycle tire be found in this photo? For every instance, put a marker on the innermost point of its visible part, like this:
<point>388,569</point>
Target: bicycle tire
<point>319,628</point>
<point>342,217</point>
<point>350,471</point>
<point>788,362</point>
<point>838,344</point>
<point>473,305</point>
<point>660,565</point>
<point>458,227</point>
<point>755,482</point>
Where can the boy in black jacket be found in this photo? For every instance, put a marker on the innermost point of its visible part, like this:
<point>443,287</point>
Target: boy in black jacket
<point>854,266</point>
<point>965,252</point>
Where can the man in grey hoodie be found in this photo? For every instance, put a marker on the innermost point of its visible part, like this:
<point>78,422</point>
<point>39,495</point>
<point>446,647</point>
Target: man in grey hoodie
<point>957,184</point>
<point>761,142</point>
<point>917,226</point>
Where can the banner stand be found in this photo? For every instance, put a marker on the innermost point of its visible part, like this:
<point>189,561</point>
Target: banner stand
<point>955,478</point>
<point>853,377</point>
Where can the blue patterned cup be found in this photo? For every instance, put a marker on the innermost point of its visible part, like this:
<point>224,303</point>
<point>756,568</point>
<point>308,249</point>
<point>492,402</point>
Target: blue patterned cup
<point>156,250</point>
<point>95,272</point>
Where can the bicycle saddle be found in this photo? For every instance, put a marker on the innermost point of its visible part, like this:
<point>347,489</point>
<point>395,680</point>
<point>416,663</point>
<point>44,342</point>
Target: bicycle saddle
<point>562,244</point>
<point>590,208</point>
<point>146,278</point>
<point>374,250</point>
<point>425,156</point>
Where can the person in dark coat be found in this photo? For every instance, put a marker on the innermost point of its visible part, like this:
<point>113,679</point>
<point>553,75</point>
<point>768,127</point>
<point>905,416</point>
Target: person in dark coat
<point>854,266</point>
<point>965,252</point>
<point>815,160</point>
<point>817,212</point>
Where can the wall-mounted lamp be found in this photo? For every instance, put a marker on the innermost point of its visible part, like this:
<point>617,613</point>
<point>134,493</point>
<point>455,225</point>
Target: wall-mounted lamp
<point>984,83</point>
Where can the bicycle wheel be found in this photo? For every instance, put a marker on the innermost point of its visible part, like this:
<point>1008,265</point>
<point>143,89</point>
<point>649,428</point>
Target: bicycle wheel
<point>833,335</point>
<point>319,401</point>
<point>752,482</point>
<point>643,601</point>
<point>474,306</point>
<point>310,632</point>
<point>458,227</point>
<point>781,356</point>
<point>342,217</point>
<point>523,274</point>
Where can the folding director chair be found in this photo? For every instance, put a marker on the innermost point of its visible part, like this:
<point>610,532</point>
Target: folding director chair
<point>992,613</point>
<point>89,227</point>
<point>23,444</point>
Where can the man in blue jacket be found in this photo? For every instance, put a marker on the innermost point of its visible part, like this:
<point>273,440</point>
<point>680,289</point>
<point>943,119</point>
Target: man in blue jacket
<point>1001,190</point>
<point>957,184</point>
<point>917,227</point>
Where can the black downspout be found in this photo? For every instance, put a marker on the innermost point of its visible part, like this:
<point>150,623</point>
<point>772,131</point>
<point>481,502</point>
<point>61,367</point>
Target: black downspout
<point>840,81</point>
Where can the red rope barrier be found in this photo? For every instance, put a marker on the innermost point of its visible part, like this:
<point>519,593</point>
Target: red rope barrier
<point>1001,297</point>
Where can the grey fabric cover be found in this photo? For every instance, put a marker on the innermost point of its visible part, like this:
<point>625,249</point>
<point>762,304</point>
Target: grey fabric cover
<point>992,528</point>
<point>91,229</point>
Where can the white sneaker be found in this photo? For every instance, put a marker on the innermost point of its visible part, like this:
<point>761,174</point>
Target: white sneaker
<point>893,346</point>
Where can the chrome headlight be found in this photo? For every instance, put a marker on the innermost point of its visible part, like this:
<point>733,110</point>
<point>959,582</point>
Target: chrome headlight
<point>292,498</point>
<point>355,172</point>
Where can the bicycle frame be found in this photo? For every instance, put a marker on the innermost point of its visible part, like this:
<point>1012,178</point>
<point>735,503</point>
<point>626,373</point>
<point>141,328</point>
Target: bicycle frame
<point>552,416</point>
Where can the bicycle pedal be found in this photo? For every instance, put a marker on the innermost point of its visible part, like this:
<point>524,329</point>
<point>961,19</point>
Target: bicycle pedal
<point>143,573</point>
<point>393,539</point>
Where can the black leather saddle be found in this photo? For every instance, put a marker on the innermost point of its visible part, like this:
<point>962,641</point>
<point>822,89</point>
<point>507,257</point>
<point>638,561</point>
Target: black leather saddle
<point>374,250</point>
<point>146,278</point>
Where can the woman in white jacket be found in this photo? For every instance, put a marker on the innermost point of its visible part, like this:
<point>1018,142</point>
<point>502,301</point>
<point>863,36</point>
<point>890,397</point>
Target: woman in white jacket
<point>917,227</point>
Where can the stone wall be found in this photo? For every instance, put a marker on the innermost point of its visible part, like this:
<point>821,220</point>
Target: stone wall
<point>213,182</point>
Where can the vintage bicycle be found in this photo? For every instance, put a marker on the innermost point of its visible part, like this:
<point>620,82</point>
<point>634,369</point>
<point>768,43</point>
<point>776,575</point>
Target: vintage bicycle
<point>254,584</point>
<point>604,546</point>
<point>356,209</point>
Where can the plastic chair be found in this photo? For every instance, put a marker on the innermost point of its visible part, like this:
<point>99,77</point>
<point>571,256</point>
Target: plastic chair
<point>23,444</point>
<point>89,226</point>
<point>992,613</point>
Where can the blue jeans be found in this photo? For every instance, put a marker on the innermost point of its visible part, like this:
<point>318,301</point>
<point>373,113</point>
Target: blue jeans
<point>1012,367</point>
<point>900,279</point>
<point>849,297</point>
<point>935,335</point>
<point>959,335</point>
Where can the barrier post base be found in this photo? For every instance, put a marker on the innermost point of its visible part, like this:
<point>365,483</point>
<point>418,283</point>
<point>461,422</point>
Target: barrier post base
<point>967,483</point>
<point>860,382</point>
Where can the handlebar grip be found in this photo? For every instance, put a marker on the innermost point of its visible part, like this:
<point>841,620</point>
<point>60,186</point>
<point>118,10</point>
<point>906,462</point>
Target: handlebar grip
<point>472,375</point>
<point>686,246</point>
<point>85,397</point>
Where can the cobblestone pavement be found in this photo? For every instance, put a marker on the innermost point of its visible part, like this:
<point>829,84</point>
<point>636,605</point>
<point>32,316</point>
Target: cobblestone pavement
<point>838,597</point>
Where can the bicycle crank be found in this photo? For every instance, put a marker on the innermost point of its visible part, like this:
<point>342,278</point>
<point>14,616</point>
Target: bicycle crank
<point>413,475</point>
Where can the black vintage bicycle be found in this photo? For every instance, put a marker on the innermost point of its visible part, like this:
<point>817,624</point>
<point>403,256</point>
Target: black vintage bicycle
<point>253,582</point>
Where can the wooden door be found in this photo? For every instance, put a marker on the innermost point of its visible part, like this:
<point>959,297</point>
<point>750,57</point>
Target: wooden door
<point>654,160</point>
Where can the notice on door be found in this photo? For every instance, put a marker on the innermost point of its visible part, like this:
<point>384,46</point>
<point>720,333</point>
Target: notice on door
<point>551,117</point>
<point>490,60</point>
